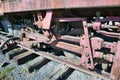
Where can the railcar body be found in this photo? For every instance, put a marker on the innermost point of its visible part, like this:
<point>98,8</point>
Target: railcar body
<point>29,5</point>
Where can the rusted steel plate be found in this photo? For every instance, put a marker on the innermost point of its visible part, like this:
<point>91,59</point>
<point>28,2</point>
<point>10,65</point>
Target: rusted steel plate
<point>27,5</point>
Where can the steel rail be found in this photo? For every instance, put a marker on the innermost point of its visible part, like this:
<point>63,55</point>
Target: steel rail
<point>65,62</point>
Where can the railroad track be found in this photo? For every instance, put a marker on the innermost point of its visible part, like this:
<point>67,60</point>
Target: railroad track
<point>40,68</point>
<point>44,65</point>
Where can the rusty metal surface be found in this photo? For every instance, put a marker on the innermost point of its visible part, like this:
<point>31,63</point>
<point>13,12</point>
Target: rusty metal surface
<point>115,72</point>
<point>110,34</point>
<point>67,46</point>
<point>85,43</point>
<point>65,62</point>
<point>45,23</point>
<point>87,48</point>
<point>1,8</point>
<point>75,48</point>
<point>70,38</point>
<point>97,26</point>
<point>69,19</point>
<point>27,5</point>
<point>94,3</point>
